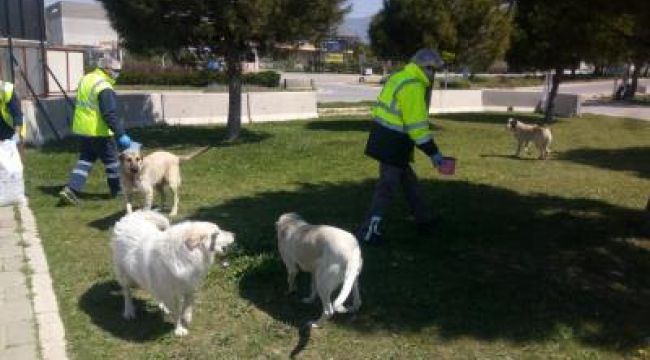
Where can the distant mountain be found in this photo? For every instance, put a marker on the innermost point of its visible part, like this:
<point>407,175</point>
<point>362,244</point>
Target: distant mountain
<point>355,27</point>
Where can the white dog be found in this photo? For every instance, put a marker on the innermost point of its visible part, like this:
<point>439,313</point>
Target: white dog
<point>167,261</point>
<point>525,133</point>
<point>331,255</point>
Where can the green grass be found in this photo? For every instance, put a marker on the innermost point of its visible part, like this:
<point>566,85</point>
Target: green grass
<point>533,259</point>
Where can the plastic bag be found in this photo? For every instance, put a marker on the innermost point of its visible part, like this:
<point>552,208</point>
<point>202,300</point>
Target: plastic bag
<point>12,188</point>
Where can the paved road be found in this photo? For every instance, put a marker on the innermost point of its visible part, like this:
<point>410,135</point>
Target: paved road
<point>343,87</point>
<point>346,88</point>
<point>588,88</point>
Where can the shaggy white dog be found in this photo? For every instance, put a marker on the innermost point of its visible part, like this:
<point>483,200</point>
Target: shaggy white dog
<point>330,254</point>
<point>167,261</point>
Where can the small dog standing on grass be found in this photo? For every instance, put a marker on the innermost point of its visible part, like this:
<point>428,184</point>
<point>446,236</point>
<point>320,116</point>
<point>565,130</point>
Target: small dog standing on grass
<point>154,171</point>
<point>525,133</point>
<point>332,257</point>
<point>169,261</point>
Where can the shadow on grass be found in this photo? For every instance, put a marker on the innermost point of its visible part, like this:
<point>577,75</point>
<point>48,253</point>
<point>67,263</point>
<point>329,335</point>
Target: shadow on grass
<point>167,137</point>
<point>53,191</point>
<point>501,265</point>
<point>634,159</point>
<point>362,125</point>
<point>491,118</point>
<point>340,125</point>
<point>106,222</point>
<point>103,302</point>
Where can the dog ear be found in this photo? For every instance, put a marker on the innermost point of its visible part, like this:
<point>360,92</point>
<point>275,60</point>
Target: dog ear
<point>121,156</point>
<point>194,239</point>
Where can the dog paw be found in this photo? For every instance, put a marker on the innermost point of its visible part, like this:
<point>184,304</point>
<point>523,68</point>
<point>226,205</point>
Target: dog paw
<point>180,331</point>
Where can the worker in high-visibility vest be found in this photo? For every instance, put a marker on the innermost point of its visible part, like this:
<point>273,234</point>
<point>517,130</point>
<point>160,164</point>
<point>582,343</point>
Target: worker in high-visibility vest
<point>11,115</point>
<point>401,123</point>
<point>96,123</point>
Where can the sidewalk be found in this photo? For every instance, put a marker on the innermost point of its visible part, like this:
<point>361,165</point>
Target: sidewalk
<point>30,325</point>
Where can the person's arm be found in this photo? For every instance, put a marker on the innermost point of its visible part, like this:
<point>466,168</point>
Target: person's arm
<point>108,109</point>
<point>16,113</point>
<point>415,114</point>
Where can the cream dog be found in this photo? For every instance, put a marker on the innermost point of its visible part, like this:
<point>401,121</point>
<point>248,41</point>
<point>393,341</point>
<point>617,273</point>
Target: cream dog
<point>167,261</point>
<point>331,255</point>
<point>160,168</point>
<point>525,133</point>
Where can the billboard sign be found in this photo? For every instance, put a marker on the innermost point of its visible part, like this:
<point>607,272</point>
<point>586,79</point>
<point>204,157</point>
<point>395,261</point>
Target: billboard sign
<point>22,19</point>
<point>332,46</point>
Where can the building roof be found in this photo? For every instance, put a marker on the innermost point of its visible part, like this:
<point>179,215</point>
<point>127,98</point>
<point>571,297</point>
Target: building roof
<point>73,9</point>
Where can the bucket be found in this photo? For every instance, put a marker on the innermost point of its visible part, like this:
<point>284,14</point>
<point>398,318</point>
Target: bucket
<point>448,166</point>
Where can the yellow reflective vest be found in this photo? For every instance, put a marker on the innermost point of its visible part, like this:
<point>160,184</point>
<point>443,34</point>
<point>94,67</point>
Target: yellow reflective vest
<point>401,117</point>
<point>6,93</point>
<point>88,120</point>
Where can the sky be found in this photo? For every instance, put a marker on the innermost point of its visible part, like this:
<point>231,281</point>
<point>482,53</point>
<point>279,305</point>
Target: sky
<point>364,8</point>
<point>360,8</point>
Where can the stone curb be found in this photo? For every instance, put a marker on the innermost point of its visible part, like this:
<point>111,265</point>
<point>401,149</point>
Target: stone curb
<point>51,333</point>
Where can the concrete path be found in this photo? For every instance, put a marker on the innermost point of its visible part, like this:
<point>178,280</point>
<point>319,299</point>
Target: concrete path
<point>30,325</point>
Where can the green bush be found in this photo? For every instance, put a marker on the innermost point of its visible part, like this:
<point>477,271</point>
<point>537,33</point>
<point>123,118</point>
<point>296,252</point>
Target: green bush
<point>195,78</point>
<point>263,78</point>
<point>458,84</point>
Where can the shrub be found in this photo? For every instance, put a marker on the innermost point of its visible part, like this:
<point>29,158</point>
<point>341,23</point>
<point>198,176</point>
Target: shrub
<point>263,78</point>
<point>458,84</point>
<point>194,78</point>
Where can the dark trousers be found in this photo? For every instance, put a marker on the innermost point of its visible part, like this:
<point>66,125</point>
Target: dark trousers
<point>93,148</point>
<point>391,179</point>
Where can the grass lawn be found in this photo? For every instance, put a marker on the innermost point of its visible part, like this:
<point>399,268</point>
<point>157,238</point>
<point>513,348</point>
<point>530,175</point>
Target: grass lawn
<point>532,259</point>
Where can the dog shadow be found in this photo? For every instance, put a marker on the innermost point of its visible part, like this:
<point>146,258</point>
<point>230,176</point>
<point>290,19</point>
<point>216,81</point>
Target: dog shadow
<point>103,302</point>
<point>511,157</point>
<point>53,191</point>
<point>106,222</point>
<point>265,286</point>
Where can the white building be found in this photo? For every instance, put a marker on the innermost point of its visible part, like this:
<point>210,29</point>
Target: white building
<point>71,23</point>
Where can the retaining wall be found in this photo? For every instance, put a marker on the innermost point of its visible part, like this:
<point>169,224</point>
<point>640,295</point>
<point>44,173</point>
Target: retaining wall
<point>174,108</point>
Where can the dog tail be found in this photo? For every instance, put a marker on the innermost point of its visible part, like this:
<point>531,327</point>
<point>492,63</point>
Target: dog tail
<point>351,273</point>
<point>194,153</point>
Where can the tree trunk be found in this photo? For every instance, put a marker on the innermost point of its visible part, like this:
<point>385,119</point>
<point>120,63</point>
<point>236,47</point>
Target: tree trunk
<point>631,90</point>
<point>550,101</point>
<point>234,95</point>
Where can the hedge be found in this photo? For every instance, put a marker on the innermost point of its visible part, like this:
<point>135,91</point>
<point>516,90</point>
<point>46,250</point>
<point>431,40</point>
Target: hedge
<point>195,78</point>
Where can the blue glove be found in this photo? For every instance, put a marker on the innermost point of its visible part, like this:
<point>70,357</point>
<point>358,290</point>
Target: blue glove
<point>436,159</point>
<point>124,141</point>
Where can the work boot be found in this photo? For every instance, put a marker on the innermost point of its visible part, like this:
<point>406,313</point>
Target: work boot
<point>369,233</point>
<point>68,196</point>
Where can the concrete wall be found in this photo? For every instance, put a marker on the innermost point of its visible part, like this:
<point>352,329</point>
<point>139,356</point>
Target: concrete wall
<point>447,101</point>
<point>267,106</point>
<point>174,108</point>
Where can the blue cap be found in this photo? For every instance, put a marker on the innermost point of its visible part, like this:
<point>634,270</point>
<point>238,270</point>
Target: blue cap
<point>428,57</point>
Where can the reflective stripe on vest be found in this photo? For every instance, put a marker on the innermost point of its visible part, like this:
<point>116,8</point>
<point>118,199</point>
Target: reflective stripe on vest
<point>5,97</point>
<point>88,120</point>
<point>7,92</point>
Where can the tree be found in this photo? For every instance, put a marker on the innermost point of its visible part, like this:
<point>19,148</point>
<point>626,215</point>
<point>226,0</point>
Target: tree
<point>228,28</point>
<point>552,35</point>
<point>476,32</point>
